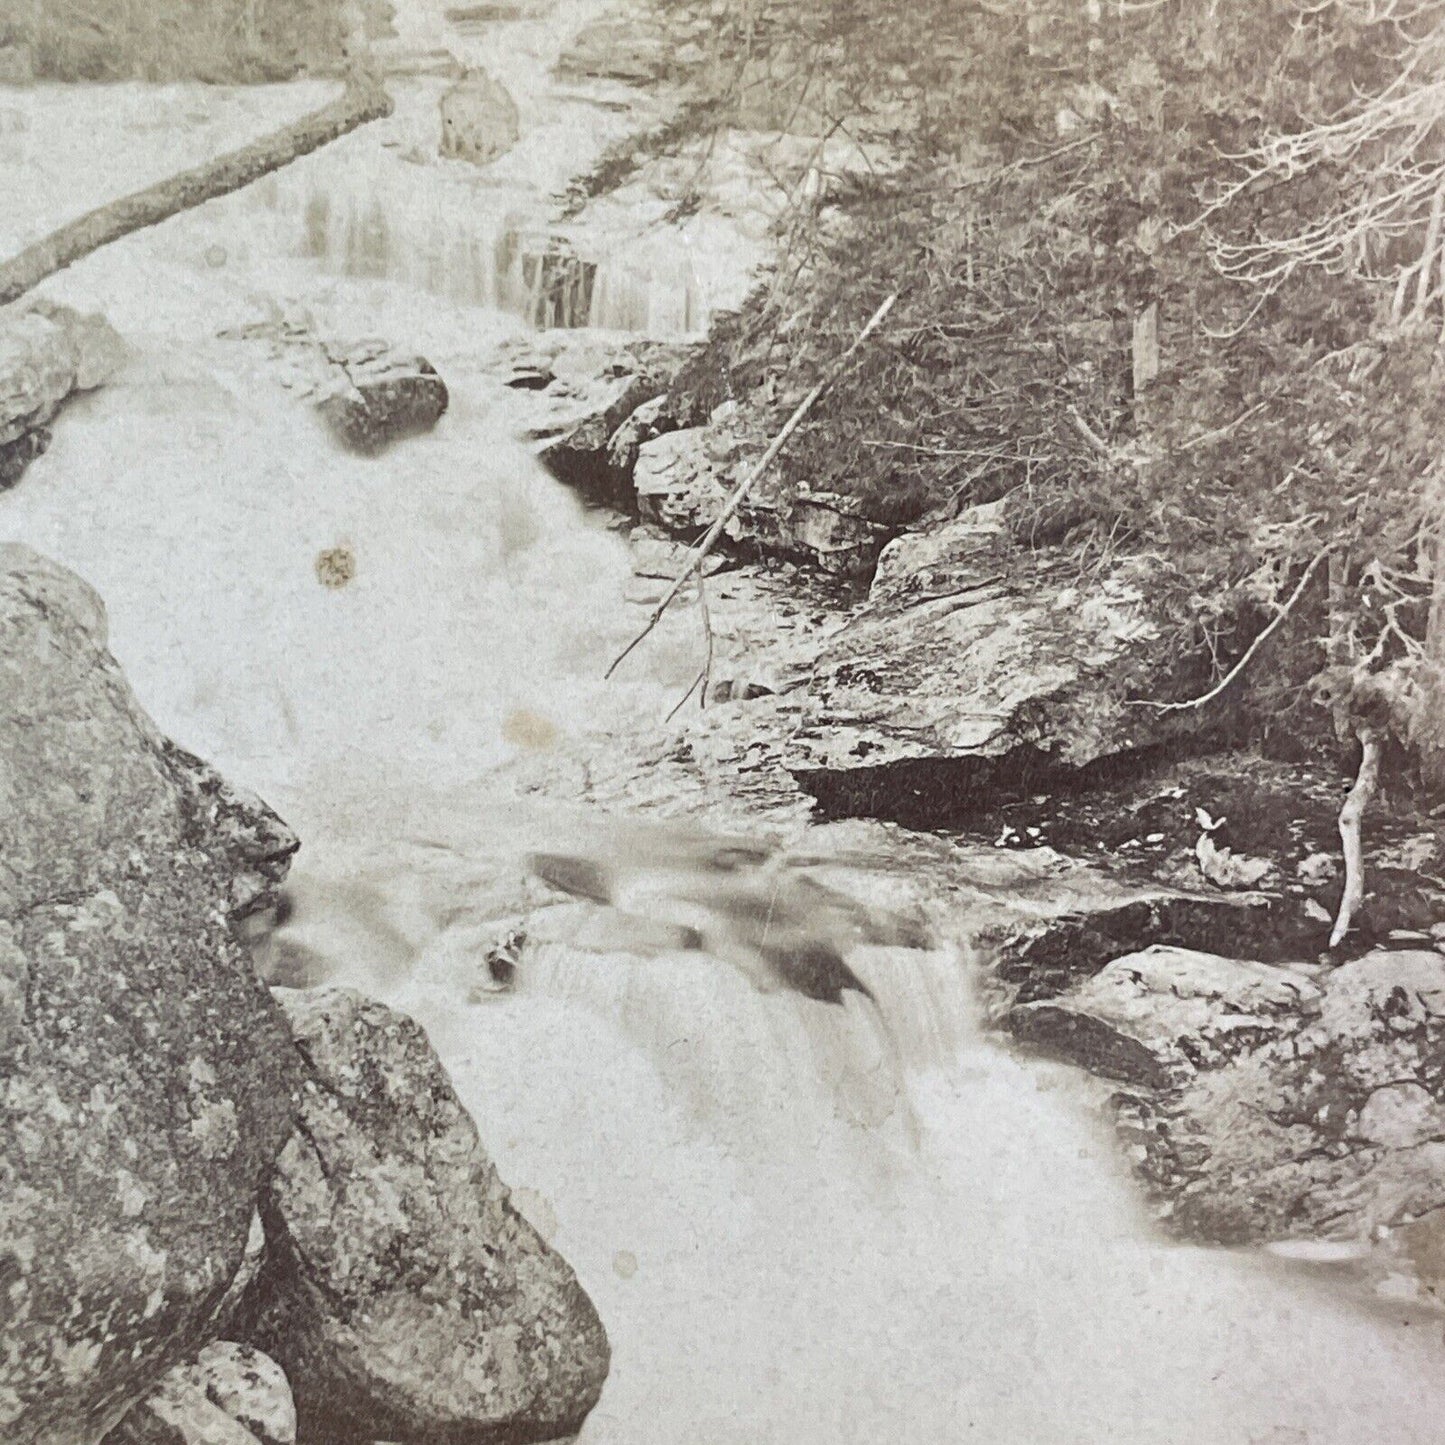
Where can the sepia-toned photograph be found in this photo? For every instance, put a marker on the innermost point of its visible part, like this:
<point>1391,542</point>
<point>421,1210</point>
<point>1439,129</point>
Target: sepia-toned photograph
<point>722,722</point>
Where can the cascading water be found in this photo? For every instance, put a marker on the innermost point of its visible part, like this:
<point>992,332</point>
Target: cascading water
<point>800,1222</point>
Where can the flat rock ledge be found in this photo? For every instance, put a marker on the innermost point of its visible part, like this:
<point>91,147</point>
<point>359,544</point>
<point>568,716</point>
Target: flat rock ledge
<point>1268,1103</point>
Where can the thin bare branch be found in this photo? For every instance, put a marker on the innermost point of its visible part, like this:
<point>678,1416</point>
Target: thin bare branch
<point>1275,622</point>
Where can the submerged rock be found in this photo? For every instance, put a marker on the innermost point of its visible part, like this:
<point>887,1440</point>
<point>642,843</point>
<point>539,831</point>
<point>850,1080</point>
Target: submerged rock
<point>404,1295</point>
<point>95,346</point>
<point>145,1073</point>
<point>377,397</point>
<point>479,120</point>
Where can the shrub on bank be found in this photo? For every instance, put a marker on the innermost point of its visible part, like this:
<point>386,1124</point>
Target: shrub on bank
<point>1170,283</point>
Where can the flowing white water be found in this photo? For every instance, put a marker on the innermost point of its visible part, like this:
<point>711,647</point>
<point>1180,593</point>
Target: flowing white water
<point>779,1255</point>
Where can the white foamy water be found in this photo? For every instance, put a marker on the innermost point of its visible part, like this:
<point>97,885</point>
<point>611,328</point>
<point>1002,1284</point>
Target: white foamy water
<point>800,1223</point>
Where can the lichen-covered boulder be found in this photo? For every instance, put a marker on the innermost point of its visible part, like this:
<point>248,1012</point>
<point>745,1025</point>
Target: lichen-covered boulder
<point>479,120</point>
<point>405,1297</point>
<point>145,1072</point>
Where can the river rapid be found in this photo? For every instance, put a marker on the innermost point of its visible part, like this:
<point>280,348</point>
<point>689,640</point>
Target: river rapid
<point>800,1223</point>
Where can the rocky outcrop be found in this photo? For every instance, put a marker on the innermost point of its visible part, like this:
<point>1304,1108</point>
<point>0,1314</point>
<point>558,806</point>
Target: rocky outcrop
<point>1269,1103</point>
<point>145,1074</point>
<point>47,353</point>
<point>479,120</point>
<point>975,670</point>
<point>376,396</point>
<point>1335,1128</point>
<point>229,1395</point>
<point>405,1297</point>
<point>1157,1016</point>
<point>621,48</point>
<point>593,396</point>
<point>683,479</point>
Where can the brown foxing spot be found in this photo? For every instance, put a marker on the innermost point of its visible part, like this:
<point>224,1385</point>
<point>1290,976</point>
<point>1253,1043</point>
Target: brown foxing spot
<point>525,729</point>
<point>336,566</point>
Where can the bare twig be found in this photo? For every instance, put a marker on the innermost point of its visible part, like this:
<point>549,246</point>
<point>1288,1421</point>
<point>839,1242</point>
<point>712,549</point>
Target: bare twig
<point>363,100</point>
<point>1088,433</point>
<point>700,550</point>
<point>1250,651</point>
<point>704,678</point>
<point>1219,432</point>
<point>1358,799</point>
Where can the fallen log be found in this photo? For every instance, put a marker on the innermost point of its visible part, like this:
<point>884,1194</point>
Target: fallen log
<point>363,100</point>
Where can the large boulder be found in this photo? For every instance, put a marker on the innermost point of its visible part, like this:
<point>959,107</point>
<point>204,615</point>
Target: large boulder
<point>1336,1127</point>
<point>405,1297</point>
<point>1156,1016</point>
<point>479,120</point>
<point>145,1073</point>
<point>976,671</point>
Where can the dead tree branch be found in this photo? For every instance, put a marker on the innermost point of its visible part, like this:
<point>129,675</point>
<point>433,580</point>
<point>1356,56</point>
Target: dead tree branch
<point>363,100</point>
<point>1358,799</point>
<point>703,680</point>
<point>700,550</point>
<point>1275,622</point>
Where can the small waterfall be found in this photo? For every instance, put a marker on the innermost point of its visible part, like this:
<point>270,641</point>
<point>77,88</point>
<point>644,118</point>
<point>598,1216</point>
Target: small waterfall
<point>800,1218</point>
<point>398,213</point>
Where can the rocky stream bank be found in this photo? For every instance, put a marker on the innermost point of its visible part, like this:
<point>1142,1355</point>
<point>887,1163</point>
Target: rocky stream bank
<point>279,1221</point>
